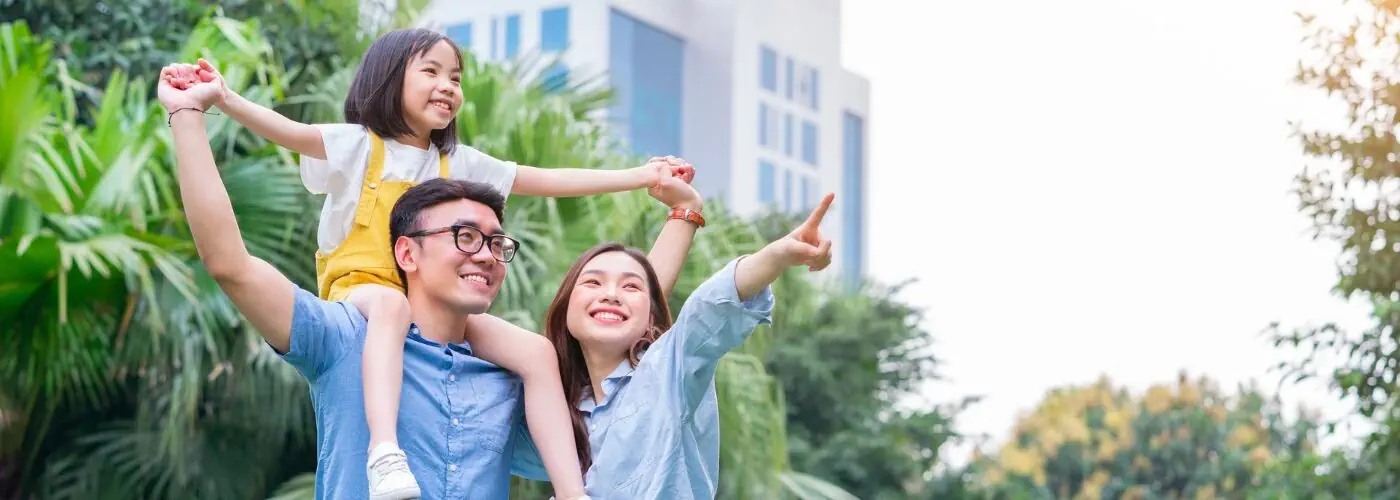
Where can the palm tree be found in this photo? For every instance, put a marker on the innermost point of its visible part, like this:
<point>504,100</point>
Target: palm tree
<point>84,264</point>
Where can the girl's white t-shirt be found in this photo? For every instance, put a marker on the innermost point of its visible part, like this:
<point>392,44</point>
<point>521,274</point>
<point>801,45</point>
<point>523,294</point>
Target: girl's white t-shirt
<point>341,175</point>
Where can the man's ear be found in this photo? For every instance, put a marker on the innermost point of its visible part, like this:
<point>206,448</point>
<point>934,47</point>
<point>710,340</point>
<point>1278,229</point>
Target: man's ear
<point>406,253</point>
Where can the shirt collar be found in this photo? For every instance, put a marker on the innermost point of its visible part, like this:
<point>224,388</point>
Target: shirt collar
<point>611,384</point>
<point>415,335</point>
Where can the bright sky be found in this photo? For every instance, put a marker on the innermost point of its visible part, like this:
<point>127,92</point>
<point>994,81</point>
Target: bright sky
<point>1090,186</point>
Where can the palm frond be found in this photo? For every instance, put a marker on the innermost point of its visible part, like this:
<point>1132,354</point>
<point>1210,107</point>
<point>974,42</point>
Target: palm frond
<point>806,487</point>
<point>752,443</point>
<point>24,106</point>
<point>302,487</point>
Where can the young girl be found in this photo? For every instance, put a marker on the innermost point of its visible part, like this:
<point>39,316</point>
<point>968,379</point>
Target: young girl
<point>401,130</point>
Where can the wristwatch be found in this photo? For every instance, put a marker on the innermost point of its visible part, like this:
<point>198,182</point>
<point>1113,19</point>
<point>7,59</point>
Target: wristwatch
<point>687,214</point>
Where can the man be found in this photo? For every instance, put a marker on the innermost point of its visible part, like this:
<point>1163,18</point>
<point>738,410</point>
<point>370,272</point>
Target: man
<point>457,410</point>
<point>459,413</point>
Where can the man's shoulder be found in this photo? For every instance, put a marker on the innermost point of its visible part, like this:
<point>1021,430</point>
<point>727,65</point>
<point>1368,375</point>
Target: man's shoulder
<point>321,333</point>
<point>313,312</point>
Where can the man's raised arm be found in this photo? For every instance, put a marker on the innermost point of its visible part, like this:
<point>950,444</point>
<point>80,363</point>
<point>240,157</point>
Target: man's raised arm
<point>257,289</point>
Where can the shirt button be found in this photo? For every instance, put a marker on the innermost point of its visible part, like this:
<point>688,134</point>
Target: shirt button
<point>452,468</point>
<point>373,185</point>
<point>452,378</point>
<point>455,422</point>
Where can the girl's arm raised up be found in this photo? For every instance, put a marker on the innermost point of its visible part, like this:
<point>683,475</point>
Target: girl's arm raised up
<point>269,124</point>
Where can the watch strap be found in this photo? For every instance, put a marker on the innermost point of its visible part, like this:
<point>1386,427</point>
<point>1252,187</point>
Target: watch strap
<point>687,214</point>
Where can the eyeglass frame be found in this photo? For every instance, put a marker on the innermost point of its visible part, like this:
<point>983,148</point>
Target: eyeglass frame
<point>456,230</point>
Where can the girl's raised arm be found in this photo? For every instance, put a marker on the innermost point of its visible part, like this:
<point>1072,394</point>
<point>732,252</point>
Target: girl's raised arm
<point>269,124</point>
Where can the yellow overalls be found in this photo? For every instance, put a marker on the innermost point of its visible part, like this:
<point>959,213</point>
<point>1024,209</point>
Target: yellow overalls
<point>366,256</point>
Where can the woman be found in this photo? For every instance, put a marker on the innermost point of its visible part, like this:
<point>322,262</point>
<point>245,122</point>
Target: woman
<point>646,423</point>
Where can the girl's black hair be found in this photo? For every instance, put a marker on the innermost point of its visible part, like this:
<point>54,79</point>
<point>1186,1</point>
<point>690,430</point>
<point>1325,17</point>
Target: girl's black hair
<point>376,96</point>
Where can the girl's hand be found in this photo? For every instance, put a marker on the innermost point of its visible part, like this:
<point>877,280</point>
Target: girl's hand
<point>676,191</point>
<point>681,169</point>
<point>677,167</point>
<point>208,73</point>
<point>182,86</point>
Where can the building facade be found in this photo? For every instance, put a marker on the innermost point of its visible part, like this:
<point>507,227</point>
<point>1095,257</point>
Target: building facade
<point>753,93</point>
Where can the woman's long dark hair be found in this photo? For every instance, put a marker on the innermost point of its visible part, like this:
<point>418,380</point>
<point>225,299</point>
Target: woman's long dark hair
<point>375,99</point>
<point>573,371</point>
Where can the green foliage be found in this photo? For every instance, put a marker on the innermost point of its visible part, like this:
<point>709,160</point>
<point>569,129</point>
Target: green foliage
<point>1338,475</point>
<point>842,366</point>
<point>1349,191</point>
<point>97,39</point>
<point>843,360</point>
<point>1187,440</point>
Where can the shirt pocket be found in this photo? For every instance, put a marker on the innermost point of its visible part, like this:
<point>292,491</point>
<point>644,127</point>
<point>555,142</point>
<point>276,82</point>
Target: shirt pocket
<point>626,409</point>
<point>498,399</point>
<point>639,390</point>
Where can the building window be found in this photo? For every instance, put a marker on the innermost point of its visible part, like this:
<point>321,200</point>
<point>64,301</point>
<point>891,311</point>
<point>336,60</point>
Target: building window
<point>853,191</point>
<point>495,38</point>
<point>787,135</point>
<point>768,126</point>
<point>762,124</point>
<point>803,84</point>
<point>512,35</point>
<point>809,142</point>
<point>787,190</point>
<point>646,71</point>
<point>807,194</point>
<point>768,69</point>
<point>461,34</point>
<point>788,77</point>
<point>554,29</point>
<point>807,87</point>
<point>766,178</point>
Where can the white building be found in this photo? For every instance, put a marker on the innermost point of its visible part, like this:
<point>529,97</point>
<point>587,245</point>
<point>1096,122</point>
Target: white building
<point>751,92</point>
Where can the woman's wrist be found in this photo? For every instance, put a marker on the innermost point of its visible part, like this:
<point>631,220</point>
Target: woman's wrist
<point>695,205</point>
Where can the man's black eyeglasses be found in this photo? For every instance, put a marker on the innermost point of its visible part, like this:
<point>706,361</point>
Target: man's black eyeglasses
<point>469,240</point>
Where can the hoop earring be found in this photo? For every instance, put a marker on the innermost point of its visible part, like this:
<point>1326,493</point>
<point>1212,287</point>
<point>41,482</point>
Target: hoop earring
<point>642,344</point>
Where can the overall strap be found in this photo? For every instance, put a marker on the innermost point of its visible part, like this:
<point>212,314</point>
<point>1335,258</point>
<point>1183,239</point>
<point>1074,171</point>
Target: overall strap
<point>373,178</point>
